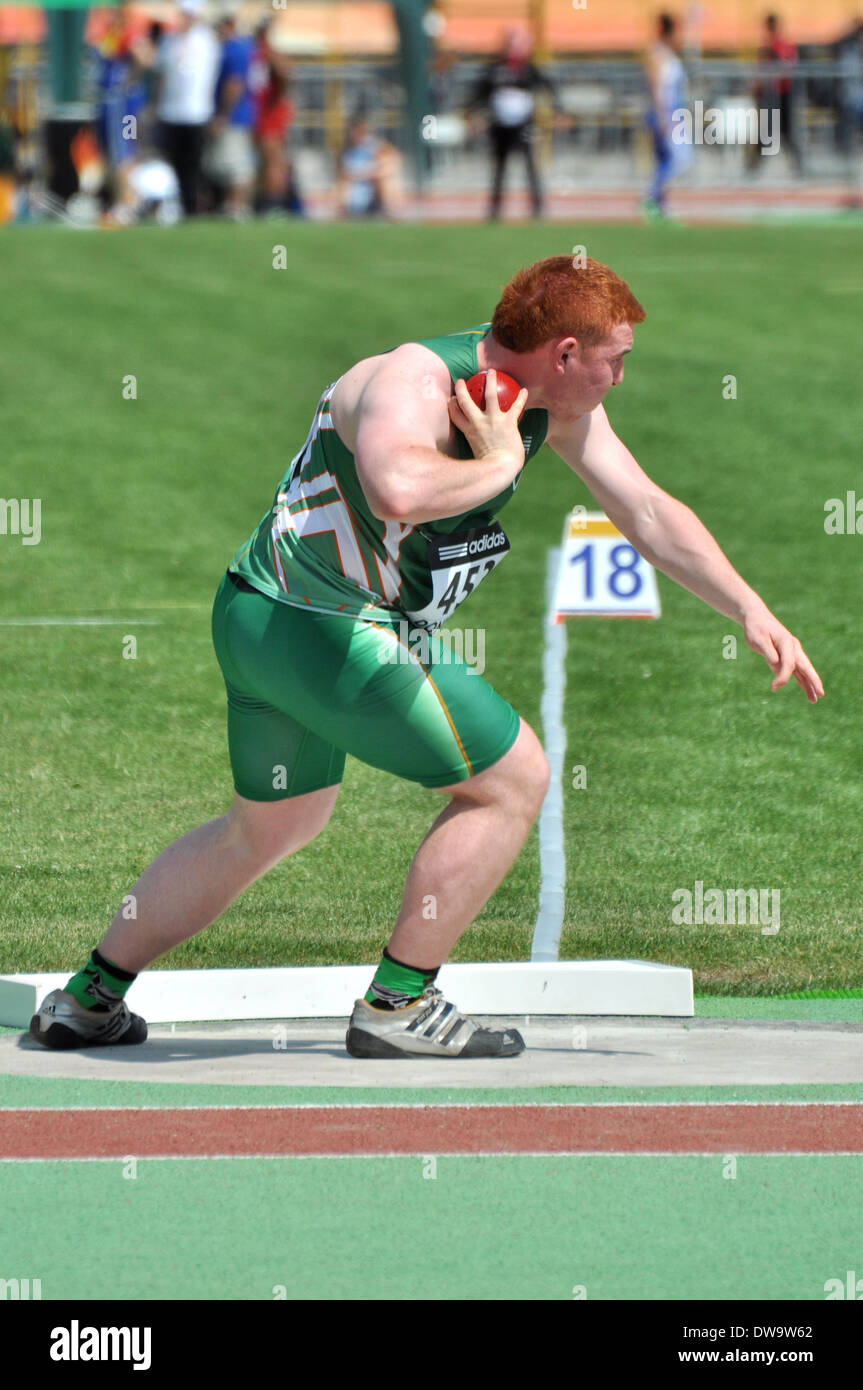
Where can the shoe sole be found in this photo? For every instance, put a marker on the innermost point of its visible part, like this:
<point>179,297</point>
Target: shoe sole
<point>61,1038</point>
<point>362,1044</point>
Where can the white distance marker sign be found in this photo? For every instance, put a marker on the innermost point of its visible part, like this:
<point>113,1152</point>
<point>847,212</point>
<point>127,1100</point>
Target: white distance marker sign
<point>600,574</point>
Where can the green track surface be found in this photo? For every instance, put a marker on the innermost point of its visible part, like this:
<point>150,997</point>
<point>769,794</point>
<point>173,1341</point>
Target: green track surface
<point>625,1227</point>
<point>694,770</point>
<point>32,1092</point>
<point>796,1010</point>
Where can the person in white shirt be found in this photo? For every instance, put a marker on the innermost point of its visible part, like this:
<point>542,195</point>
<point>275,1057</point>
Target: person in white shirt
<point>187,62</point>
<point>507,89</point>
<point>666,80</point>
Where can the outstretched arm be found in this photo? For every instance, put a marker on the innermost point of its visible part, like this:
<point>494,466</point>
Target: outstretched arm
<point>670,536</point>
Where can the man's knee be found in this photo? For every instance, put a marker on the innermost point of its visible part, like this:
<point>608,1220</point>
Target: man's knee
<point>519,780</point>
<point>534,776</point>
<point>269,830</point>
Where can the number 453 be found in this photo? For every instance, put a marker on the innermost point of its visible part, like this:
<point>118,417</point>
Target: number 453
<point>453,595</point>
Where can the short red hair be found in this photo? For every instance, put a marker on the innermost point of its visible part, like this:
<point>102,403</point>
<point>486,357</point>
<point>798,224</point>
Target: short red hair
<point>553,298</point>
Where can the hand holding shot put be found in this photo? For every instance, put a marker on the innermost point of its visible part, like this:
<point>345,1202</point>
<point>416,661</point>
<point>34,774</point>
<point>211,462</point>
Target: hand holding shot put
<point>491,432</point>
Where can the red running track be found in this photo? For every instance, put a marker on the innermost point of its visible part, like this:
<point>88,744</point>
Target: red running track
<point>503,1129</point>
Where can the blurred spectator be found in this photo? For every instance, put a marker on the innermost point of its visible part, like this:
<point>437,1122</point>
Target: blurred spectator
<point>8,179</point>
<point>369,181</point>
<point>188,65</point>
<point>88,161</point>
<point>121,92</point>
<point>229,160</point>
<point>849,59</point>
<point>440,62</point>
<point>441,79</point>
<point>507,89</point>
<point>147,189</point>
<point>146,49</point>
<point>666,80</point>
<point>274,112</point>
<point>777,93</point>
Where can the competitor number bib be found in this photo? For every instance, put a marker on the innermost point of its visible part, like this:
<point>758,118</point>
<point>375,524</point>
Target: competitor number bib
<point>457,563</point>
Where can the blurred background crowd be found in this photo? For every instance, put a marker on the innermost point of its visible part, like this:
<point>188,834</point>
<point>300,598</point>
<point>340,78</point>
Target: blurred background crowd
<point>353,108</point>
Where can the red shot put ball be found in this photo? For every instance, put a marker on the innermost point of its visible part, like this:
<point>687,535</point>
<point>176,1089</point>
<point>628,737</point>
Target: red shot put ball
<point>507,390</point>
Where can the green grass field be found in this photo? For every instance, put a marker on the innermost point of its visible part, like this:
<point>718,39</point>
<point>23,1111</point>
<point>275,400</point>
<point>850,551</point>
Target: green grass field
<point>695,771</point>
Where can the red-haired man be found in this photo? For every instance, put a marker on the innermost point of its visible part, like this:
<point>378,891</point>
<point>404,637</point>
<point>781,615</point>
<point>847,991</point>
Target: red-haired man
<point>385,520</point>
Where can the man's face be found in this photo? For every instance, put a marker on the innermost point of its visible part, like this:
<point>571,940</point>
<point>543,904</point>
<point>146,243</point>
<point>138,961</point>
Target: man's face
<point>580,376</point>
<point>517,45</point>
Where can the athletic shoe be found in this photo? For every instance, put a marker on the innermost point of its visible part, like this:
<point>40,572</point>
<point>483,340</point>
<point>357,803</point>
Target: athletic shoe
<point>63,1022</point>
<point>428,1028</point>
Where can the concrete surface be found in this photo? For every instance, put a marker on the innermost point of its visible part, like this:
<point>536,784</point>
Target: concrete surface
<point>597,1052</point>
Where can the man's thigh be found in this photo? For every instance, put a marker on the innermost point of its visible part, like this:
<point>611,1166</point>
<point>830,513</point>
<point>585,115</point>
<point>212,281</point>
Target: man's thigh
<point>274,756</point>
<point>391,696</point>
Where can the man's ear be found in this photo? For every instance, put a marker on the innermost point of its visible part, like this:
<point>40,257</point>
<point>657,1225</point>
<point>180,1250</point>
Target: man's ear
<point>569,351</point>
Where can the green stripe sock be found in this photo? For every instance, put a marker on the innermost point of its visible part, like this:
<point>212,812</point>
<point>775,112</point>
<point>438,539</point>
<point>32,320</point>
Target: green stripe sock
<point>100,984</point>
<point>395,984</point>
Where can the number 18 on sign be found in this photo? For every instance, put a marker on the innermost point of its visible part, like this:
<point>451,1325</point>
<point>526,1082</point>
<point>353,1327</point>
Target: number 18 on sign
<point>600,574</point>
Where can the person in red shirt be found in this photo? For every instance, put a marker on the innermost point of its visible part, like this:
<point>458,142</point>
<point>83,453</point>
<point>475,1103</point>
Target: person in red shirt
<point>274,112</point>
<point>777,93</point>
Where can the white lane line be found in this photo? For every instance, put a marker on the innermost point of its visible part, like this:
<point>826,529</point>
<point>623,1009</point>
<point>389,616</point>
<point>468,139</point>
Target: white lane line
<point>510,1156</point>
<point>432,1105</point>
<point>172,603</point>
<point>80,622</point>
<point>552,857</point>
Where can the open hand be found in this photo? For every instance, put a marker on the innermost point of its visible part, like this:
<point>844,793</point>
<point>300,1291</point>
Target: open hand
<point>783,654</point>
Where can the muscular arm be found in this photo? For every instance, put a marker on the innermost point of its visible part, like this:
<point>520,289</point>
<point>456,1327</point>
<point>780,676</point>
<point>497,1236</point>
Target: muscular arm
<point>670,536</point>
<point>402,417</point>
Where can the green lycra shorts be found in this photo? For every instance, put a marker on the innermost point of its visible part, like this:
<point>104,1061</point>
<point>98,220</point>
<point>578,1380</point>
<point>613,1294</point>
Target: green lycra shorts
<point>305,688</point>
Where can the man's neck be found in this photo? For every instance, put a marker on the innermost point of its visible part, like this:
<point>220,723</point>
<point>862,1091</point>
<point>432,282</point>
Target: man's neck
<point>490,354</point>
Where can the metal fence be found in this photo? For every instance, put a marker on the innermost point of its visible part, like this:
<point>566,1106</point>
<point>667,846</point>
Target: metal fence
<point>598,109</point>
<point>594,125</point>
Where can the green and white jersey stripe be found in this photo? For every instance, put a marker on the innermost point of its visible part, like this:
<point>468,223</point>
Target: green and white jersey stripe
<point>320,547</point>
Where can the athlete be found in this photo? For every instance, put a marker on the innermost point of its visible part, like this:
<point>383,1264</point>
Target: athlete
<point>666,79</point>
<point>384,521</point>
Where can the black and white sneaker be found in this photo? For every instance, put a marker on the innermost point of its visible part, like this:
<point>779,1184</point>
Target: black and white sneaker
<point>431,1027</point>
<point>62,1022</point>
